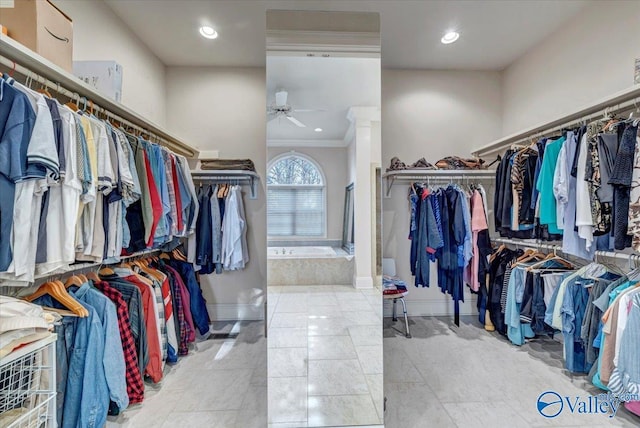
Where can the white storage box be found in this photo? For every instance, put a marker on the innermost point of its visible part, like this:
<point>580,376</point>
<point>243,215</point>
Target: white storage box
<point>105,76</point>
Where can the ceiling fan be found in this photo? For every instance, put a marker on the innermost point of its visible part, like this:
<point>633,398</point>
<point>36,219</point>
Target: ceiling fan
<point>279,108</point>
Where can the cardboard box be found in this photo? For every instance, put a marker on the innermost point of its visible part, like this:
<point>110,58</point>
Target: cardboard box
<point>41,27</point>
<point>105,76</point>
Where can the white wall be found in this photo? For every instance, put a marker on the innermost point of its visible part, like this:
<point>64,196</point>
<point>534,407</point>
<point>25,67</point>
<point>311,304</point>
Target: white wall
<point>333,161</point>
<point>224,109</point>
<point>98,34</point>
<point>587,59</point>
<point>431,114</point>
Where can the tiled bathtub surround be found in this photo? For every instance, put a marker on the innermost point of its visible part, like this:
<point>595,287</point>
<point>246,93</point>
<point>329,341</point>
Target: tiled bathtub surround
<point>325,356</point>
<point>310,271</point>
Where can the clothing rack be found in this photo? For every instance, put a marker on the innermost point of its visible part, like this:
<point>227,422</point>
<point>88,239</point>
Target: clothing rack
<point>435,175</point>
<point>618,103</point>
<point>85,267</point>
<point>229,176</point>
<point>558,248</point>
<point>18,59</point>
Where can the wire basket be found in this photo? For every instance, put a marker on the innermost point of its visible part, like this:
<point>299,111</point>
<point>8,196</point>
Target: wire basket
<point>28,389</point>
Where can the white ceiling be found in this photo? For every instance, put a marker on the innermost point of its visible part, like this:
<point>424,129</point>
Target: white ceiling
<point>493,33</point>
<point>331,84</point>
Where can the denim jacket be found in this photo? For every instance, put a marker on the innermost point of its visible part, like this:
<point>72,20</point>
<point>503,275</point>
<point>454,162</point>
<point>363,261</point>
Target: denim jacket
<point>113,359</point>
<point>86,400</point>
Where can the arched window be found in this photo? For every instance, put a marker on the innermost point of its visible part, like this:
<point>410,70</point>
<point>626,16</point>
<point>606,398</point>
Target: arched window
<point>295,197</point>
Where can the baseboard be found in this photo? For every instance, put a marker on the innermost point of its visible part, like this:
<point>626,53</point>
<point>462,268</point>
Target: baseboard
<point>363,282</point>
<point>232,311</point>
<point>429,308</point>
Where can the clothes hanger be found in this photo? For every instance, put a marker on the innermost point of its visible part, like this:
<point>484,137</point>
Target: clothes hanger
<point>106,271</point>
<point>56,290</point>
<point>73,280</point>
<point>93,276</point>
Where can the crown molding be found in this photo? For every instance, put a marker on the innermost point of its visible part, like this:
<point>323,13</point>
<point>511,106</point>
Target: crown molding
<point>306,143</point>
<point>323,43</point>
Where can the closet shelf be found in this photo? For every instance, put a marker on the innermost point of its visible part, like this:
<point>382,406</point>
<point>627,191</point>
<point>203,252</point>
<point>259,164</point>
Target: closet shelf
<point>17,57</point>
<point>229,175</point>
<point>536,244</point>
<point>617,102</point>
<point>407,175</point>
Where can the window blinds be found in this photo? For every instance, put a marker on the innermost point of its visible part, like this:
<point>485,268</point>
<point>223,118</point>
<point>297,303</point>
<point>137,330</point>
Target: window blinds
<point>295,211</point>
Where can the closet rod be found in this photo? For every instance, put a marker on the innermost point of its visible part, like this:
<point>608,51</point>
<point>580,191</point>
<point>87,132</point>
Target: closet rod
<point>436,176</point>
<point>541,246</point>
<point>13,66</point>
<point>82,266</point>
<point>617,103</point>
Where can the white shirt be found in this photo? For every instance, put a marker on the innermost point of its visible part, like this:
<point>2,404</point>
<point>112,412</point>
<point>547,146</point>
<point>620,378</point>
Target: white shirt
<point>233,232</point>
<point>584,221</point>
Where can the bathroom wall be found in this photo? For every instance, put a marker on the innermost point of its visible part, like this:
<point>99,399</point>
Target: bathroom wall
<point>333,161</point>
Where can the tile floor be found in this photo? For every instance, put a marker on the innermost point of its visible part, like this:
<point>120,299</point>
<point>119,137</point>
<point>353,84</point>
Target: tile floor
<point>471,378</point>
<point>324,356</point>
<point>221,384</point>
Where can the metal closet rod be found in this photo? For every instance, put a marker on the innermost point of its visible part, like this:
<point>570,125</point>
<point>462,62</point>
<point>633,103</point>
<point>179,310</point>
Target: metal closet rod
<point>541,246</point>
<point>74,96</point>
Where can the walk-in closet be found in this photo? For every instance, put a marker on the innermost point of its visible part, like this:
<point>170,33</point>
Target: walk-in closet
<point>293,214</point>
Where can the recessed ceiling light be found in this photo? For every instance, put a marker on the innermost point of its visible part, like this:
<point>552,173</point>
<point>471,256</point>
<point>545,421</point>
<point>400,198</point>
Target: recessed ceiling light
<point>318,129</point>
<point>208,32</point>
<point>450,37</point>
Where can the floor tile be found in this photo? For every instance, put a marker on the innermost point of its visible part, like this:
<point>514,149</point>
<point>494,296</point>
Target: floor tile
<point>322,299</point>
<point>287,399</point>
<point>287,362</point>
<point>328,327</point>
<point>287,337</point>
<point>368,317</point>
<point>341,410</point>
<point>230,389</point>
<point>289,320</point>
<point>365,335</point>
<point>370,359</point>
<point>398,367</point>
<point>331,348</point>
<point>411,405</point>
<point>253,412</point>
<point>481,415</point>
<point>222,419</point>
<point>336,377</point>
<point>376,388</point>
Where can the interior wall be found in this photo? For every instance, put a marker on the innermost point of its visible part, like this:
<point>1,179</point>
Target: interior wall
<point>431,114</point>
<point>333,161</point>
<point>587,59</point>
<point>224,109</point>
<point>143,74</point>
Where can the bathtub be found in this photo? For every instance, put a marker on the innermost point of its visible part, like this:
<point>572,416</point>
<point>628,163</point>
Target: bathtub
<point>309,265</point>
<point>300,252</point>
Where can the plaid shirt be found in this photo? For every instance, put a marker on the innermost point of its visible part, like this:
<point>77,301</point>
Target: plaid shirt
<point>135,386</point>
<point>183,339</point>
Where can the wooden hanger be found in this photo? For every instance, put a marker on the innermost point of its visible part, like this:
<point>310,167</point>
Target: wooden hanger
<point>93,276</point>
<point>73,280</point>
<point>106,271</point>
<point>165,256</point>
<point>44,91</point>
<point>56,290</point>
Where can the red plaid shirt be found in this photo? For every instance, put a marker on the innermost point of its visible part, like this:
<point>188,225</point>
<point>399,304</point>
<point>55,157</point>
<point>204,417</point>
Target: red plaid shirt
<point>187,334</point>
<point>135,385</point>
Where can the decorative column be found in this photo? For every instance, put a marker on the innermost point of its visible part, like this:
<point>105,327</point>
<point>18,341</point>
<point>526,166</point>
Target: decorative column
<point>362,119</point>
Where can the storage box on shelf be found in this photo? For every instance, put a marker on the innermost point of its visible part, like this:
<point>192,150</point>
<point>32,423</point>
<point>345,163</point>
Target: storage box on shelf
<point>105,76</point>
<point>42,27</point>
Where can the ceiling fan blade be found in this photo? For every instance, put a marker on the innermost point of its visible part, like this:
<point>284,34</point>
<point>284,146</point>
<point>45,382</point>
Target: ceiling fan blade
<point>296,122</point>
<point>281,98</point>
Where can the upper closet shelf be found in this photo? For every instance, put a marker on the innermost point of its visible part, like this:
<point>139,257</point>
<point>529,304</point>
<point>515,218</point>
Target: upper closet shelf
<point>24,61</point>
<point>229,176</point>
<point>618,102</point>
<point>408,175</point>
